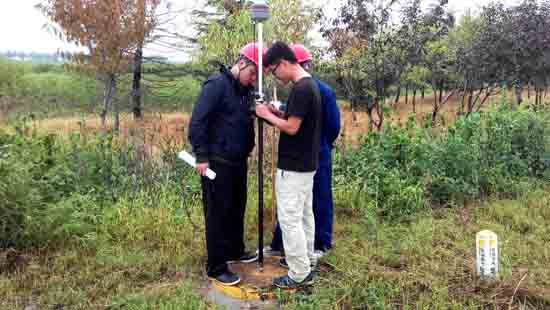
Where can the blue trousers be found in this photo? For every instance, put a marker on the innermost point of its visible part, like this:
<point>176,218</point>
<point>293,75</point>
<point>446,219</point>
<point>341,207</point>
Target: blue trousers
<point>322,206</point>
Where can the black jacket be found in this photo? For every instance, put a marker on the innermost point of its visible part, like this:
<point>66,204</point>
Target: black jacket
<point>221,125</point>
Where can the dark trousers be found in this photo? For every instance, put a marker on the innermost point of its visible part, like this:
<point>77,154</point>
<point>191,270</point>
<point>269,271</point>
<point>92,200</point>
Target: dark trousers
<point>224,201</point>
<point>322,207</point>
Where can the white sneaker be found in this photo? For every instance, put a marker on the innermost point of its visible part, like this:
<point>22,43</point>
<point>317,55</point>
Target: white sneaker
<point>270,252</point>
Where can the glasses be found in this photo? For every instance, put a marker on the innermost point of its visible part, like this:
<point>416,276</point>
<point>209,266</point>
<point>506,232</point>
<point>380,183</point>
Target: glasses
<point>274,70</point>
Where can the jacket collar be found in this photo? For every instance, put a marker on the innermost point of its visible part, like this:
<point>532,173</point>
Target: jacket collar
<point>236,84</point>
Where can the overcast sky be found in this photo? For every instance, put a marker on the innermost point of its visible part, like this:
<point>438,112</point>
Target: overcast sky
<point>21,25</point>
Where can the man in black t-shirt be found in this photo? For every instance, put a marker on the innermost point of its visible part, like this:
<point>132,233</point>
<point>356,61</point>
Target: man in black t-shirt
<point>298,160</point>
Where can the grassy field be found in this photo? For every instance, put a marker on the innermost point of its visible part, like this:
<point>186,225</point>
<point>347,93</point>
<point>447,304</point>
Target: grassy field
<point>114,222</point>
<point>44,91</point>
<point>151,258</point>
<point>173,125</point>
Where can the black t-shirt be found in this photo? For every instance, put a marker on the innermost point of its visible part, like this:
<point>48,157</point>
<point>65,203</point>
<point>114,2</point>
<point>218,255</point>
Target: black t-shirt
<point>300,152</point>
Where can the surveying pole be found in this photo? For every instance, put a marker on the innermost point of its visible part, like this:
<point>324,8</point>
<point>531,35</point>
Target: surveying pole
<point>259,12</point>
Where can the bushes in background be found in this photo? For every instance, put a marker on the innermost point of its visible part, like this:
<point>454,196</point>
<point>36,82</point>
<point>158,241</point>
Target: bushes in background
<point>54,189</point>
<point>402,170</point>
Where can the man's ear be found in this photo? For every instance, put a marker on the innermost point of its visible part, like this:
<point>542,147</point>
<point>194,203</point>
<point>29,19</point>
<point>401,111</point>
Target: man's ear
<point>240,64</point>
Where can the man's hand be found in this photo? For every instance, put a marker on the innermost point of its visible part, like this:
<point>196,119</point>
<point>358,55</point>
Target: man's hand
<point>273,109</point>
<point>201,168</point>
<point>263,111</point>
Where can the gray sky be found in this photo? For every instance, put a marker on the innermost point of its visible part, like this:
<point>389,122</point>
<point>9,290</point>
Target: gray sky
<point>21,25</point>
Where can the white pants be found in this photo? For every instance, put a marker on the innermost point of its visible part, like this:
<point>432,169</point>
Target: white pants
<point>295,214</point>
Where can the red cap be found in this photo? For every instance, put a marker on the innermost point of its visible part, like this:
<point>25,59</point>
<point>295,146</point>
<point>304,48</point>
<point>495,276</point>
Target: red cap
<point>301,52</point>
<point>250,51</point>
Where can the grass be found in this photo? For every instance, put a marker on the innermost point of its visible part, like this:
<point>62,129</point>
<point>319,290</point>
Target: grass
<point>47,91</point>
<point>138,257</point>
<point>428,262</point>
<point>151,258</point>
<point>143,257</point>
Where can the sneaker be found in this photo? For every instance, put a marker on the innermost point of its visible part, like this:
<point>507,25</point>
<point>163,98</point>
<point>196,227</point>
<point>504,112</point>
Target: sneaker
<point>245,258</point>
<point>287,283</point>
<point>268,251</point>
<point>227,278</point>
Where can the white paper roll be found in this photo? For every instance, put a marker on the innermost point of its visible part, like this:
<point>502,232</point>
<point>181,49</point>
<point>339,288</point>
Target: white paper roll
<point>188,158</point>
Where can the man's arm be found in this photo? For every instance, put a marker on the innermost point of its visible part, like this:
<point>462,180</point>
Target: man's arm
<point>210,95</point>
<point>290,126</point>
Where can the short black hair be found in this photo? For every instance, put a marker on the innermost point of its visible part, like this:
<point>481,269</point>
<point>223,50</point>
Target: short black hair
<point>245,59</point>
<point>277,52</point>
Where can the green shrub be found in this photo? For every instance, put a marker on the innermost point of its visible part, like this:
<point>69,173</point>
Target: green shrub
<point>18,195</point>
<point>53,189</point>
<point>77,89</point>
<point>519,142</point>
<point>398,170</point>
<point>47,68</point>
<point>11,74</point>
<point>180,94</point>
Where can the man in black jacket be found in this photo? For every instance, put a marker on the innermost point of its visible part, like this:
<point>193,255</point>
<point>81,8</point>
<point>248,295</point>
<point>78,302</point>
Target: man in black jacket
<point>221,132</point>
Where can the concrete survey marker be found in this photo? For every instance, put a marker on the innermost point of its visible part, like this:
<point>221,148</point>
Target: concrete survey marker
<point>255,291</point>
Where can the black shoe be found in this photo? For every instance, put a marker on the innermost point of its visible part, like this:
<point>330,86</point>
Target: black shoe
<point>287,283</point>
<point>245,258</point>
<point>227,278</point>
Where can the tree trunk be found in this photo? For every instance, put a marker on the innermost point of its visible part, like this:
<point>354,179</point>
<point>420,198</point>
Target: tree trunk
<point>462,102</point>
<point>470,102</point>
<point>407,94</point>
<point>435,105</point>
<point>463,97</point>
<point>529,90</point>
<point>380,112</point>
<point>423,93</point>
<point>116,126</point>
<point>441,92</point>
<point>476,99</point>
<point>371,121</point>
<point>414,101</point>
<point>489,90</point>
<point>353,116</point>
<point>519,89</point>
<point>107,97</point>
<point>136,84</point>
<point>510,95</point>
<point>441,103</point>
<point>434,114</point>
<point>398,94</point>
